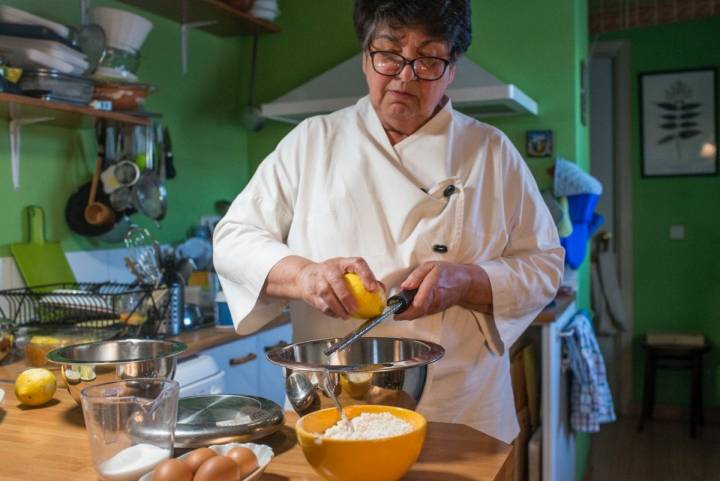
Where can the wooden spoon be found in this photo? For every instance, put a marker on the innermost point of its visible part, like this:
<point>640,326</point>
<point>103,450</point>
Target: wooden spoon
<point>97,213</point>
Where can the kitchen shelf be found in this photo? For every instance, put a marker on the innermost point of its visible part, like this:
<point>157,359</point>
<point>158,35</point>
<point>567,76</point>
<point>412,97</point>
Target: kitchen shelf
<point>227,21</point>
<point>14,107</point>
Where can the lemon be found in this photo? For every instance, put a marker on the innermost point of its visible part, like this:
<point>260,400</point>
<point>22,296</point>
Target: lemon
<point>356,384</point>
<point>35,386</point>
<point>87,373</point>
<point>369,304</point>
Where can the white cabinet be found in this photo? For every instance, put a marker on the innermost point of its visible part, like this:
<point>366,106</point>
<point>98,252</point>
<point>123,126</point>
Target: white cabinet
<point>239,361</point>
<point>558,438</point>
<point>272,382</point>
<point>247,370</point>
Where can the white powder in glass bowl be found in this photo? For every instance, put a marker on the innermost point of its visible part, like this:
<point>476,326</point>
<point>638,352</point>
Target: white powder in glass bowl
<point>369,426</point>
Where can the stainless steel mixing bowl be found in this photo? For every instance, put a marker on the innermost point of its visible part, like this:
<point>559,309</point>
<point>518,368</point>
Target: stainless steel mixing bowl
<point>372,370</point>
<point>84,365</point>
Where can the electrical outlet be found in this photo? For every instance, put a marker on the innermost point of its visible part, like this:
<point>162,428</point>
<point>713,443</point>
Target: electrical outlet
<point>677,232</point>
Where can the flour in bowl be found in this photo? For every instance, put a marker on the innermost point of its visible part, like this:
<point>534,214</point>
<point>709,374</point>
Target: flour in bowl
<point>369,426</point>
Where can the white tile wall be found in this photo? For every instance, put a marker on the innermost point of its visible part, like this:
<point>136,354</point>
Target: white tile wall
<point>9,275</point>
<point>88,266</point>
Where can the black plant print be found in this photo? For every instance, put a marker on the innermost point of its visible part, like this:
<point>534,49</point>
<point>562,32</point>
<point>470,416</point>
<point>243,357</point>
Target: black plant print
<point>677,115</point>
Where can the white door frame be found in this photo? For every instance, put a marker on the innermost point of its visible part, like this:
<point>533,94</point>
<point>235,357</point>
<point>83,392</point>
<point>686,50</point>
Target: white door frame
<point>619,52</point>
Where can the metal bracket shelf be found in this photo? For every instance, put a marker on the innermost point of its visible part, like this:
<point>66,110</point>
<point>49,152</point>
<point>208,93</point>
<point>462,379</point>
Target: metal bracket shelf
<point>185,28</point>
<point>15,128</point>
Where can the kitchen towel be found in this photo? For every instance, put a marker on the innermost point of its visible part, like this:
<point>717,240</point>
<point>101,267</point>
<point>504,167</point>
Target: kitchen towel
<point>570,179</point>
<point>584,224</point>
<point>591,401</point>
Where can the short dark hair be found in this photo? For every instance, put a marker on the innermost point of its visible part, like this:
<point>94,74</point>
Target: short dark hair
<point>445,19</point>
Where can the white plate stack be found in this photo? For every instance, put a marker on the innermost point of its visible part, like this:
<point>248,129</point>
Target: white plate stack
<point>265,9</point>
<point>30,53</point>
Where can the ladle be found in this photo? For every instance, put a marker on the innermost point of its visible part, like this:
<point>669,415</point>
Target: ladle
<point>97,213</point>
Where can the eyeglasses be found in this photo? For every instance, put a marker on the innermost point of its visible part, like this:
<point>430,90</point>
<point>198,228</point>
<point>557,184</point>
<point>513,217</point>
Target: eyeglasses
<point>391,64</point>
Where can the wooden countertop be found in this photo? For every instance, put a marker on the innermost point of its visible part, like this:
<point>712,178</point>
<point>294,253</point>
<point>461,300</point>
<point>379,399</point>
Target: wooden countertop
<point>49,443</point>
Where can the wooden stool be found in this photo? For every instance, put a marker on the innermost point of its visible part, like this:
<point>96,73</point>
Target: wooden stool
<point>671,356</point>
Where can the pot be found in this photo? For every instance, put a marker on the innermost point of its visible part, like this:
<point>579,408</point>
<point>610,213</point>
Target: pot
<point>75,212</point>
<point>372,370</point>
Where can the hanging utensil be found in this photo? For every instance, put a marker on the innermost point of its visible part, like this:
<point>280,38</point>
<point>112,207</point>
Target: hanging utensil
<point>97,213</point>
<point>395,305</point>
<point>150,147</point>
<point>159,150</point>
<point>75,212</point>
<point>149,195</point>
<point>170,172</point>
<point>121,199</point>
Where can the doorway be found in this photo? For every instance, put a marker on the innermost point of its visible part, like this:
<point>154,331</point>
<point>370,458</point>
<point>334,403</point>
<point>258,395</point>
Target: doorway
<point>611,163</point>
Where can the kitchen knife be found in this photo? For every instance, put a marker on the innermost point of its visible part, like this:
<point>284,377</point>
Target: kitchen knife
<point>395,305</point>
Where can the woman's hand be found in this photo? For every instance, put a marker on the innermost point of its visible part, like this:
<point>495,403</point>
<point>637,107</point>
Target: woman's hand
<point>321,284</point>
<point>444,284</point>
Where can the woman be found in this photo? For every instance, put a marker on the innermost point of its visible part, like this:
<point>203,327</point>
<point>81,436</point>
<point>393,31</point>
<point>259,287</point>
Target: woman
<point>407,192</point>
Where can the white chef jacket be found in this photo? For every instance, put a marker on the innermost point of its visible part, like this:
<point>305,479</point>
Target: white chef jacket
<point>336,187</point>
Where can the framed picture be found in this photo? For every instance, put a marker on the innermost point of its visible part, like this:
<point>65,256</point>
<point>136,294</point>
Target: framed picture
<point>678,131</point>
<point>539,143</point>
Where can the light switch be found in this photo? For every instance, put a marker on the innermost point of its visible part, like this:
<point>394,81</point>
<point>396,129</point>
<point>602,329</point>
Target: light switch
<point>677,232</point>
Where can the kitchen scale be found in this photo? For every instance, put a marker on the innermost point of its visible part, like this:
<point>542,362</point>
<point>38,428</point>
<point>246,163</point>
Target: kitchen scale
<point>224,418</point>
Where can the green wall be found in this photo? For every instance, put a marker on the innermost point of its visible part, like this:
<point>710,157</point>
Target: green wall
<point>202,110</point>
<point>677,285</point>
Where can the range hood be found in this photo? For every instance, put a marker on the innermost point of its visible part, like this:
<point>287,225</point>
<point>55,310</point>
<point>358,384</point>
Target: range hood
<point>474,91</point>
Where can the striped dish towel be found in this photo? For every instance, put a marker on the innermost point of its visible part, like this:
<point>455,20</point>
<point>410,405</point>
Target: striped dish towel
<point>591,399</point>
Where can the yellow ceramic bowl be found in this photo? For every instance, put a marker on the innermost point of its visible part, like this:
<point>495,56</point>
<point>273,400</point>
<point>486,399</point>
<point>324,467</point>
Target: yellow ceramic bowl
<point>386,459</point>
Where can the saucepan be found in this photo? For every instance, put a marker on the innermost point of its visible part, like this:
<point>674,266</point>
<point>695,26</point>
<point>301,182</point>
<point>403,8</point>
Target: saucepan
<point>372,370</point>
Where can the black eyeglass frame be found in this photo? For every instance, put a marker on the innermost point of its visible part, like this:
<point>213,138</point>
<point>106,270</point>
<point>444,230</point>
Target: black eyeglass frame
<point>407,61</point>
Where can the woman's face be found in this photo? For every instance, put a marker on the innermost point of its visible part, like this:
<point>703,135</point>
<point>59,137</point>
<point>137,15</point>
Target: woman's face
<point>404,102</point>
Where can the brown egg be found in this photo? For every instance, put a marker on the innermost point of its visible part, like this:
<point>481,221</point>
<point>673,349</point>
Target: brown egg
<point>245,459</point>
<point>196,457</point>
<point>172,470</point>
<point>217,468</point>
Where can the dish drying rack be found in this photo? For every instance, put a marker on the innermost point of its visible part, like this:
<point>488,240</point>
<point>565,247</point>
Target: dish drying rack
<point>131,309</point>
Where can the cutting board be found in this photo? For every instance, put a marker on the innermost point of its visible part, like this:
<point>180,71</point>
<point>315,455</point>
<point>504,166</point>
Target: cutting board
<point>40,261</point>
